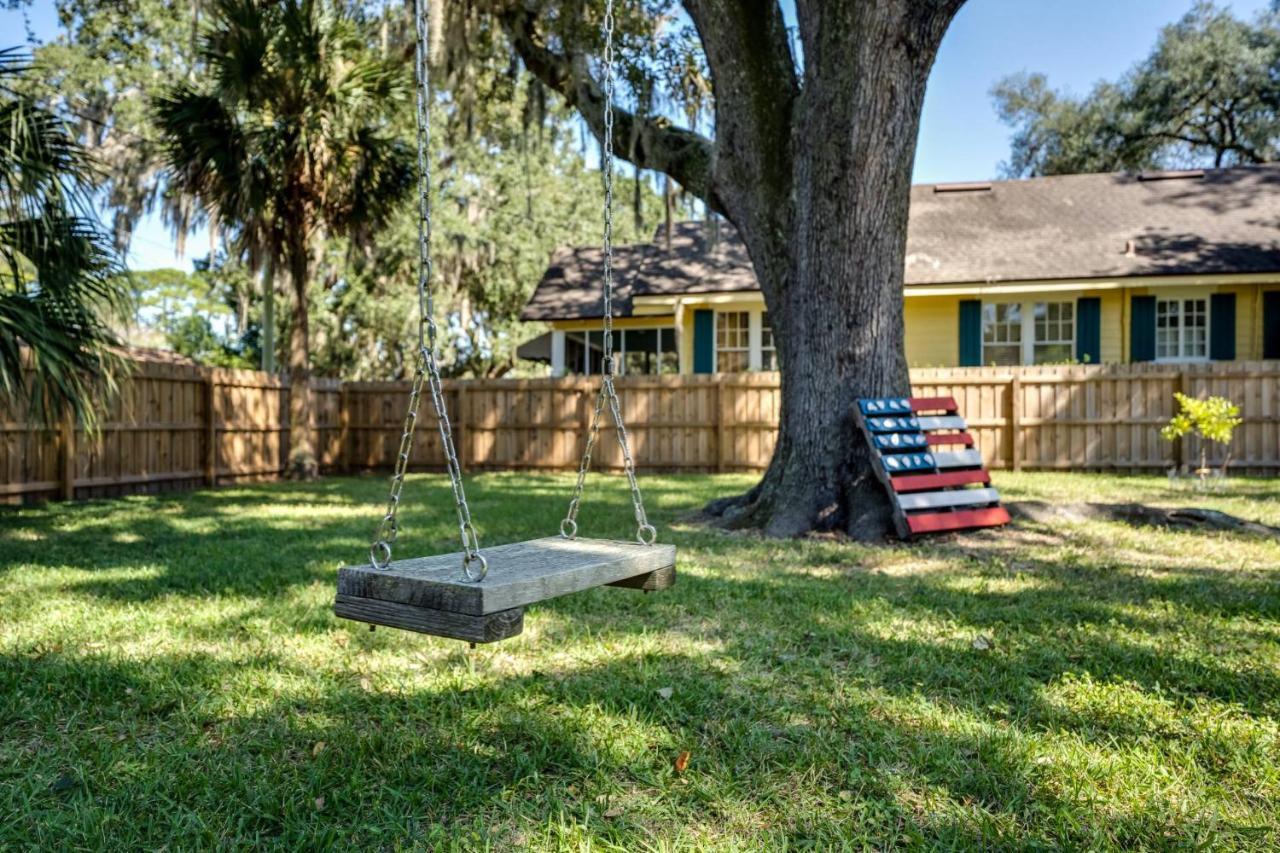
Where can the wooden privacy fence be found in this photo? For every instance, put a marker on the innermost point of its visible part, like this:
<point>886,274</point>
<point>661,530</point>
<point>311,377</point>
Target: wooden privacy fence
<point>178,427</point>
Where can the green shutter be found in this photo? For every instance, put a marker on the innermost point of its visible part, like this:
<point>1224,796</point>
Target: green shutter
<point>1142,329</point>
<point>1089,330</point>
<point>1271,324</point>
<point>704,341</point>
<point>1222,326</point>
<point>970,333</point>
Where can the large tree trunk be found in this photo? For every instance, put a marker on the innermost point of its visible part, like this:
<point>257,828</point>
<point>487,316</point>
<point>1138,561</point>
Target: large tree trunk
<point>303,464</point>
<point>833,286</point>
<point>815,173</point>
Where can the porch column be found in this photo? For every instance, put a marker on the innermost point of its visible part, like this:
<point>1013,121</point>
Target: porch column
<point>754,340</point>
<point>557,352</point>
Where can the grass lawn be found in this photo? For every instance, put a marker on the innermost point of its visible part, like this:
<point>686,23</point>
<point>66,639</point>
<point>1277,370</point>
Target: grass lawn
<point>171,676</point>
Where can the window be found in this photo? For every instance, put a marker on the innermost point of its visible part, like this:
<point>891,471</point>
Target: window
<point>1001,333</point>
<point>1055,332</point>
<point>1182,329</point>
<point>733,341</point>
<point>1028,332</point>
<point>635,351</point>
<point>768,352</point>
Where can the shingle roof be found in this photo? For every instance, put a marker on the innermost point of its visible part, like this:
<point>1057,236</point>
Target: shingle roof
<point>1063,227</point>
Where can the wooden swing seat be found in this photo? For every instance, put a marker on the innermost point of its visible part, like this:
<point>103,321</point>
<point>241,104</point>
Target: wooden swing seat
<point>430,595</point>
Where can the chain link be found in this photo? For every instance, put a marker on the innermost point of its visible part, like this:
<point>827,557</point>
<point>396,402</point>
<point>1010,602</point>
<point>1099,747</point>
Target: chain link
<point>646,534</point>
<point>427,368</point>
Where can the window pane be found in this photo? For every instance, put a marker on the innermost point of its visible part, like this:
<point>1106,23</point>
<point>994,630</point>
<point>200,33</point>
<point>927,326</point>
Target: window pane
<point>1002,354</point>
<point>1002,333</point>
<point>732,361</point>
<point>732,340</point>
<point>1052,353</point>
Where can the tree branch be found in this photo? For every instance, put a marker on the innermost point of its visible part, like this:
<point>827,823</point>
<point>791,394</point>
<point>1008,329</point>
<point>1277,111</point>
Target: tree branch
<point>753,72</point>
<point>648,142</point>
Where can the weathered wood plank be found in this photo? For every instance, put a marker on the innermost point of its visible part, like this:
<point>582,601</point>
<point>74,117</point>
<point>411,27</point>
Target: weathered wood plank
<point>931,422</point>
<point>935,404</point>
<point>958,459</point>
<point>939,439</point>
<point>519,574</point>
<point>932,482</point>
<point>957,497</point>
<point>650,582</point>
<point>937,522</point>
<point>488,628</point>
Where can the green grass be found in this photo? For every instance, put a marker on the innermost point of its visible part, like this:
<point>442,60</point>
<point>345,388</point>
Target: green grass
<point>171,676</point>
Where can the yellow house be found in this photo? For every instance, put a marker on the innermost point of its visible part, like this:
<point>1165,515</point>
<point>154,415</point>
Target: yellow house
<point>1166,266</point>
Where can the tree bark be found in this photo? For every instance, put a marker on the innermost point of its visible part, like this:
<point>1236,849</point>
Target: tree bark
<point>302,464</point>
<point>815,173</point>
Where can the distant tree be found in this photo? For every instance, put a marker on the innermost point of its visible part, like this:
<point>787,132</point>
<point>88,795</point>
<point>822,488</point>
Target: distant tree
<point>60,288</point>
<point>1206,96</point>
<point>284,139</point>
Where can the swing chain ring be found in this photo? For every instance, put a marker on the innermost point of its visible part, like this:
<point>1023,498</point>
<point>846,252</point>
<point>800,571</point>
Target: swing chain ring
<point>647,534</point>
<point>571,532</point>
<point>472,575</point>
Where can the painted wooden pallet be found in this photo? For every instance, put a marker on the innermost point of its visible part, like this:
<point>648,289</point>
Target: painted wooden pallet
<point>932,490</point>
<point>430,595</point>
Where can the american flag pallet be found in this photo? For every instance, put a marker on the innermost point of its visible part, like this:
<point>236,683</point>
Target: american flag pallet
<point>932,490</point>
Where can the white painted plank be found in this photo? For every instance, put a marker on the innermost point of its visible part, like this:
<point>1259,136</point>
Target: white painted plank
<point>958,458</point>
<point>928,422</point>
<point>957,497</point>
<point>519,574</point>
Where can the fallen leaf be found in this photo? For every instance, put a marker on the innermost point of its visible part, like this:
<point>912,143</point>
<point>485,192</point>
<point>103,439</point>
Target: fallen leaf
<point>682,761</point>
<point>613,812</point>
<point>846,795</point>
<point>981,643</point>
<point>318,748</point>
<point>365,685</point>
<point>319,803</point>
<point>665,692</point>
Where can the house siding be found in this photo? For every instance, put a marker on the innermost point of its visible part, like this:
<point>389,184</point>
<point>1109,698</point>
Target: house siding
<point>933,321</point>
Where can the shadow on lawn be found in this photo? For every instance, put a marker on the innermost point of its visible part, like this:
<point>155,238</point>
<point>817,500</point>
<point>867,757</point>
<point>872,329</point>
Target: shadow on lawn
<point>802,690</point>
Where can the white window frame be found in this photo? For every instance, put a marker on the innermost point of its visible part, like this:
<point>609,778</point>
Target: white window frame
<point>1027,323</point>
<point>1022,327</point>
<point>1181,357</point>
<point>773,343</point>
<point>716,340</point>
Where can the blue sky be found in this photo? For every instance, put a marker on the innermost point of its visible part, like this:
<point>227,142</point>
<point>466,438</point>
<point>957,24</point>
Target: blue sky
<point>1075,43</point>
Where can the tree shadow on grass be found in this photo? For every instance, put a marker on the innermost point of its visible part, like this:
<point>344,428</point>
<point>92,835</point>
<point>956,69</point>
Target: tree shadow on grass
<point>429,766</point>
<point>803,689</point>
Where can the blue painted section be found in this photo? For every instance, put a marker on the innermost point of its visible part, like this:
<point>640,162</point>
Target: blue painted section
<point>885,406</point>
<point>899,463</point>
<point>901,441</point>
<point>893,424</point>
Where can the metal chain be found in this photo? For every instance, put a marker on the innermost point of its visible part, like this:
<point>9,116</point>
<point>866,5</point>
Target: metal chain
<point>427,369</point>
<point>645,532</point>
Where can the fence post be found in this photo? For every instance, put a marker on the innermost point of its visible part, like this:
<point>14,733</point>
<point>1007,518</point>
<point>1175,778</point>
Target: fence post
<point>721,422</point>
<point>1179,387</point>
<point>460,427</point>
<point>211,430</point>
<point>1015,422</point>
<point>67,443</point>
<point>344,428</point>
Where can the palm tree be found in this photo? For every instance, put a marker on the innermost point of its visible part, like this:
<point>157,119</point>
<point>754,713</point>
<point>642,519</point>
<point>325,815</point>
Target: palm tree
<point>286,138</point>
<point>60,287</point>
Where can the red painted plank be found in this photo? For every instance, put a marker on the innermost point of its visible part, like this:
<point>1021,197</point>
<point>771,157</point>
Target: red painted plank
<point>937,522</point>
<point>937,438</point>
<point>932,404</point>
<point>932,482</point>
